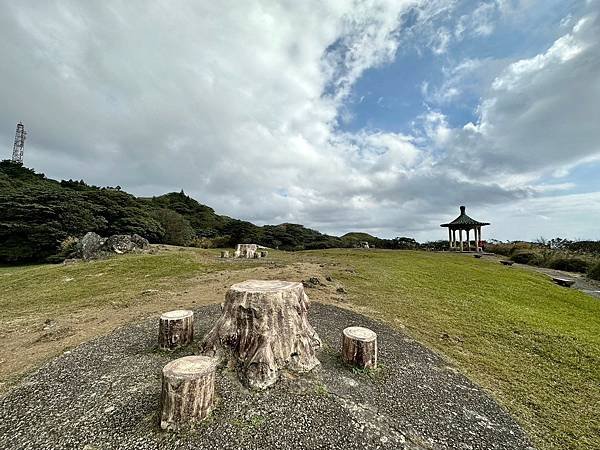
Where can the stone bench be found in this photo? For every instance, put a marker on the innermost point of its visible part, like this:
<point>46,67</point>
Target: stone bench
<point>563,281</point>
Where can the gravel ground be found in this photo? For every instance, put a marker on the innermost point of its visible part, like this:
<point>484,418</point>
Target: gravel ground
<point>104,394</point>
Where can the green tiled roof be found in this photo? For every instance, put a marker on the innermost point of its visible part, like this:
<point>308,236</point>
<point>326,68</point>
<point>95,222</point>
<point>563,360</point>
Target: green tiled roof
<point>464,220</point>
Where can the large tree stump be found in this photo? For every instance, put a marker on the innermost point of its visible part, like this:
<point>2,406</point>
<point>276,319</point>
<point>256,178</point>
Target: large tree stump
<point>359,347</point>
<point>176,329</point>
<point>264,328</point>
<point>245,251</point>
<point>188,391</point>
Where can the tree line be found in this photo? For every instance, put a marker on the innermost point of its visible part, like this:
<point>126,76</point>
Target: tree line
<point>37,214</point>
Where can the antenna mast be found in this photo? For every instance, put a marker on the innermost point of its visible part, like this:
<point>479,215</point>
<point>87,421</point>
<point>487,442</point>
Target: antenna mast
<point>20,135</point>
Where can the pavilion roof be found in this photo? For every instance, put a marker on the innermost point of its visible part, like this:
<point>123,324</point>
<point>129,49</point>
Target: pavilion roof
<point>464,220</point>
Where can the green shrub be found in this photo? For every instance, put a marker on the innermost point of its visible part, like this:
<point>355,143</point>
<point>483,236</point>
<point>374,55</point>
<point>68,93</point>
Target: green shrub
<point>498,248</point>
<point>178,230</point>
<point>520,246</point>
<point>594,272</point>
<point>526,257</point>
<point>570,264</point>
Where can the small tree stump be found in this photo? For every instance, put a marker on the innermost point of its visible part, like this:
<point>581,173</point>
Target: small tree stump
<point>225,254</point>
<point>359,347</point>
<point>188,391</point>
<point>264,254</point>
<point>264,328</point>
<point>176,329</point>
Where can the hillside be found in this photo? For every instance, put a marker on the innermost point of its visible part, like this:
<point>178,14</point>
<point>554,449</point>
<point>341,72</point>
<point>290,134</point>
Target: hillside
<point>37,214</point>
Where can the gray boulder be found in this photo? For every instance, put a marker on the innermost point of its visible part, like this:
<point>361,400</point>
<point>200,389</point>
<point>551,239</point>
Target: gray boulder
<point>119,243</point>
<point>140,242</point>
<point>92,246</point>
<point>89,246</point>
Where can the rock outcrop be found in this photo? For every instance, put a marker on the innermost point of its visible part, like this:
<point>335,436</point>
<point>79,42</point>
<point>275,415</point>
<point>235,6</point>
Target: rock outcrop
<point>93,246</point>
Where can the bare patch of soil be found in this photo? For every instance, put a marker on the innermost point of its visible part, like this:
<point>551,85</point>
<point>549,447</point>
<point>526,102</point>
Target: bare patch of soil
<point>32,339</point>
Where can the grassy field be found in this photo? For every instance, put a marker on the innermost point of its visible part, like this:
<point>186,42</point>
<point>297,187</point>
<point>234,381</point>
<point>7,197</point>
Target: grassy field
<point>117,281</point>
<point>533,345</point>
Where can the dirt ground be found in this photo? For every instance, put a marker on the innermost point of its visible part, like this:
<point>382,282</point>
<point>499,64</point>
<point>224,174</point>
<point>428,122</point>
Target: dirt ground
<point>38,338</point>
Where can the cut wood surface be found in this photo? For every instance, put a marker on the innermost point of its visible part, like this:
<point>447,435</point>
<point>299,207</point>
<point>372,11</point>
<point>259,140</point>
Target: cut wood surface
<point>359,347</point>
<point>188,386</point>
<point>176,329</point>
<point>264,328</point>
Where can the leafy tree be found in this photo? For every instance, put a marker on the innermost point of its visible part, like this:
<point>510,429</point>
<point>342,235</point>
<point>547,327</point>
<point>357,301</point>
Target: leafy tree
<point>177,230</point>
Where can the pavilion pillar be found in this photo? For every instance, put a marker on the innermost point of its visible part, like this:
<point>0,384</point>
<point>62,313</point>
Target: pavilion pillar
<point>449,238</point>
<point>461,239</point>
<point>468,239</point>
<point>479,241</point>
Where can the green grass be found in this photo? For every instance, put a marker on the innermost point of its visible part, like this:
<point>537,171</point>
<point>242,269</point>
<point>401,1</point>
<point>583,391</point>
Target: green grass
<point>116,281</point>
<point>534,345</point>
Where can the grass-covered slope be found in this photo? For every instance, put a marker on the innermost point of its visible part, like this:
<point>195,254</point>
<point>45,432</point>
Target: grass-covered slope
<point>535,345</point>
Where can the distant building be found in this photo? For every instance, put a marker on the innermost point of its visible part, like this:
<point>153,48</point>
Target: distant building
<point>466,224</point>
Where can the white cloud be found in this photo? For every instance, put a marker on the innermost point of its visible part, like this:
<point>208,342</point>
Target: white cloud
<point>539,115</point>
<point>239,103</point>
<point>565,216</point>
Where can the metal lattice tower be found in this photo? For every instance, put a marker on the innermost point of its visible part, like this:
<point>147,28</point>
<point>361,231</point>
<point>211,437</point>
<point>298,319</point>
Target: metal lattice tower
<point>20,136</point>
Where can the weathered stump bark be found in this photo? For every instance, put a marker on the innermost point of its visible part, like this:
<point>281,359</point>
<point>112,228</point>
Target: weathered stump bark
<point>225,254</point>
<point>359,347</point>
<point>245,250</point>
<point>176,329</point>
<point>264,328</point>
<point>188,391</point>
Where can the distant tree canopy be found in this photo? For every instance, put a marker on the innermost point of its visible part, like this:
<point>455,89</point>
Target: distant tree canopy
<point>177,230</point>
<point>37,214</point>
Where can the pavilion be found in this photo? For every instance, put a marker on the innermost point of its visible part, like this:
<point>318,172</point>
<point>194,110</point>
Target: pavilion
<point>460,224</point>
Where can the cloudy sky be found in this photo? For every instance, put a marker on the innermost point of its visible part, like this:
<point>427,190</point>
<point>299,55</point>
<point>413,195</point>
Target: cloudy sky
<point>380,116</point>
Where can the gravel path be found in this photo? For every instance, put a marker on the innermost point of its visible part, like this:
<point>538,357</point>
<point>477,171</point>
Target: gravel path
<point>104,394</point>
